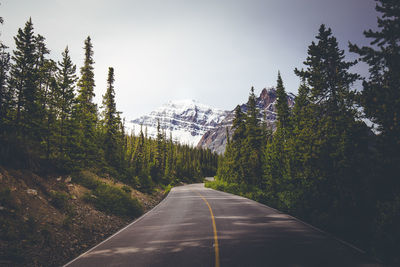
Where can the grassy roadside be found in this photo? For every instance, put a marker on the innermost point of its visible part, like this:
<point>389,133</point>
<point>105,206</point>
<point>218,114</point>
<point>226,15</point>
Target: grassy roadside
<point>243,190</point>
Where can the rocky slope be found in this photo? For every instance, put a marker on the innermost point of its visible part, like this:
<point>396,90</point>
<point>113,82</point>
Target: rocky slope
<point>215,139</point>
<point>46,221</point>
<point>186,120</point>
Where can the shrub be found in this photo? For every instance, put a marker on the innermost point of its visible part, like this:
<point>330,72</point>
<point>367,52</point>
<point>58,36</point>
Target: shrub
<point>115,201</point>
<point>167,189</point>
<point>87,179</point>
<point>126,189</point>
<point>59,200</point>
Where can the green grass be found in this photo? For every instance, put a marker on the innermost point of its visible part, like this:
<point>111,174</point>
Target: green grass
<point>243,190</point>
<point>167,189</point>
<point>108,198</point>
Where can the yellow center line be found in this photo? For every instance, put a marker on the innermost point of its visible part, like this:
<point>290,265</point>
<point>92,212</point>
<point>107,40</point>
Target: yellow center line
<point>215,232</point>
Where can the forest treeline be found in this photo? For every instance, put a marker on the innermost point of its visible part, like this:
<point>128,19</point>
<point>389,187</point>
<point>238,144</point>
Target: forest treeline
<point>323,163</point>
<point>50,123</point>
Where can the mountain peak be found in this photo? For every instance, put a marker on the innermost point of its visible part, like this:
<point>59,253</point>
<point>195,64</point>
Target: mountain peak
<point>187,120</point>
<point>215,139</point>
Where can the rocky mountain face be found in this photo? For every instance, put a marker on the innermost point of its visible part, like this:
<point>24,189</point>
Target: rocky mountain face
<point>186,120</point>
<point>215,139</point>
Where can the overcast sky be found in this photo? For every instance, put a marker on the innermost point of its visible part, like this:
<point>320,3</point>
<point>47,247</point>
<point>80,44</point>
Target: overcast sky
<point>212,51</point>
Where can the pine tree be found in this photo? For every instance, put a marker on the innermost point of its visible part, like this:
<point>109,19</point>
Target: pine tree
<point>327,75</point>
<point>66,79</point>
<point>6,101</point>
<point>253,144</point>
<point>5,90</point>
<point>282,107</point>
<point>325,150</point>
<point>49,98</point>
<point>381,94</point>
<point>380,100</point>
<point>23,81</point>
<point>86,110</point>
<point>112,122</point>
<point>232,167</point>
<point>275,157</point>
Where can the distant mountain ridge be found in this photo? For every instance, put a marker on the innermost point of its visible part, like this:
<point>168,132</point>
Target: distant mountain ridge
<point>215,139</point>
<point>186,120</point>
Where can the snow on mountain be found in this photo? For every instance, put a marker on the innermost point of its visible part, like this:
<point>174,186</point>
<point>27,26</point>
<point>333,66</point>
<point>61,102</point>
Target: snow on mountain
<point>186,120</point>
<point>215,139</point>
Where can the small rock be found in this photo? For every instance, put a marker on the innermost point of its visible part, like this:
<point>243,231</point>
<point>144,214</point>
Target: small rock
<point>68,179</point>
<point>2,208</point>
<point>32,192</point>
<point>59,179</point>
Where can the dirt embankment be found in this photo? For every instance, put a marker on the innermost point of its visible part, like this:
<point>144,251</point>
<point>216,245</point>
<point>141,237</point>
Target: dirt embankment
<point>48,221</point>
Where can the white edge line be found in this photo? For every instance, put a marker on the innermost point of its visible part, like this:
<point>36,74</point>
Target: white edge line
<point>309,225</point>
<point>119,231</point>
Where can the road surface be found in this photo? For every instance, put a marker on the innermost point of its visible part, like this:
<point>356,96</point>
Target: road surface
<point>197,226</point>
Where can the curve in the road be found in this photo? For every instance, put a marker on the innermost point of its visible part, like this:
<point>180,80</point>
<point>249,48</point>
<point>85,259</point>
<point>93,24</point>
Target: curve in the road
<point>179,232</point>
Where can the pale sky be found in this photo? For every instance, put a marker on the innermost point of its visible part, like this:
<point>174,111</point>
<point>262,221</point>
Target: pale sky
<point>212,51</point>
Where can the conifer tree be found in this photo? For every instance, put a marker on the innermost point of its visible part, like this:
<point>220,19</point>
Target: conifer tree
<point>5,92</point>
<point>23,82</point>
<point>282,107</point>
<point>231,168</point>
<point>381,94</point>
<point>6,101</point>
<point>327,75</point>
<point>86,110</point>
<point>324,151</point>
<point>253,148</point>
<point>380,100</point>
<point>66,79</point>
<point>112,122</point>
<point>275,158</point>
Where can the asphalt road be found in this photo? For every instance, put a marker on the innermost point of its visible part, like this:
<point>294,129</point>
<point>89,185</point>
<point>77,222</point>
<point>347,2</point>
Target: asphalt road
<point>197,226</point>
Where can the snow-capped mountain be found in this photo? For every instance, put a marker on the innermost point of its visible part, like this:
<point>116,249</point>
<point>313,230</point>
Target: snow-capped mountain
<point>186,120</point>
<point>215,139</point>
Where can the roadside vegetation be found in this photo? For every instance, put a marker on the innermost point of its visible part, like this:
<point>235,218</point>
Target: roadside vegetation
<point>323,163</point>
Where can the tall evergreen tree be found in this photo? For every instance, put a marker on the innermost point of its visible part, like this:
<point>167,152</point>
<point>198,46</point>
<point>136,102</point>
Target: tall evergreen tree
<point>5,92</point>
<point>23,82</point>
<point>112,122</point>
<point>275,158</point>
<point>6,97</point>
<point>66,79</point>
<point>381,102</point>
<point>282,107</point>
<point>328,136</point>
<point>86,110</point>
<point>381,93</point>
<point>253,142</point>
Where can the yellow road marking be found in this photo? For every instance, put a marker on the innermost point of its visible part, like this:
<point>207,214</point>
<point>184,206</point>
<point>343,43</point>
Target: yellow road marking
<point>215,232</point>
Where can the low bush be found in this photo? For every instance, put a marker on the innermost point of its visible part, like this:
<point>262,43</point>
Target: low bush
<point>59,200</point>
<point>114,200</point>
<point>126,189</point>
<point>247,191</point>
<point>87,179</point>
<point>167,189</point>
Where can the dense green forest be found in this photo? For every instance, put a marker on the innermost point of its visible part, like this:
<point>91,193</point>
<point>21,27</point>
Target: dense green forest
<point>49,122</point>
<point>323,163</point>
